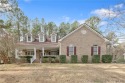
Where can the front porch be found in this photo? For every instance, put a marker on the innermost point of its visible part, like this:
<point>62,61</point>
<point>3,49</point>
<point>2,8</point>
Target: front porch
<point>36,53</point>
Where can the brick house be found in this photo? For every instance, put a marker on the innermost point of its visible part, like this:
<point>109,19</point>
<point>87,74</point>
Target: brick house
<point>82,41</point>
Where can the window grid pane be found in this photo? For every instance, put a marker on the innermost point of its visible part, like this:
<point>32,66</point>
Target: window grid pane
<point>30,53</point>
<point>71,50</point>
<point>95,50</point>
<point>41,38</point>
<point>53,38</point>
<point>29,38</point>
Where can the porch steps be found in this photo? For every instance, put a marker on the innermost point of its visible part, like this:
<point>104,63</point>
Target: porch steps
<point>36,61</point>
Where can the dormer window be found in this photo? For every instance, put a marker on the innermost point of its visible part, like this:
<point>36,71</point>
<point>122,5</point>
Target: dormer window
<point>41,37</point>
<point>53,37</point>
<point>29,37</point>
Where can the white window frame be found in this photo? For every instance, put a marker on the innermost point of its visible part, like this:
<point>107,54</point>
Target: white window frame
<point>97,49</point>
<point>71,46</point>
<point>40,38</point>
<point>29,53</point>
<point>31,38</point>
<point>52,38</point>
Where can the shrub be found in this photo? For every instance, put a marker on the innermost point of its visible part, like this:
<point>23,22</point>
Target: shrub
<point>96,58</point>
<point>73,58</point>
<point>106,58</point>
<point>45,59</point>
<point>28,58</point>
<point>84,58</point>
<point>57,60</point>
<point>62,58</point>
<point>50,59</point>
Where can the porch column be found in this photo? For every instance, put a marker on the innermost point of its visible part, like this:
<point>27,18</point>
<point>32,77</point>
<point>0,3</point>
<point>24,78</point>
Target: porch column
<point>16,54</point>
<point>43,51</point>
<point>124,56</point>
<point>34,53</point>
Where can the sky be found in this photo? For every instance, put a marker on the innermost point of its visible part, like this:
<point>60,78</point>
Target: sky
<point>73,10</point>
<point>64,10</point>
<point>58,11</point>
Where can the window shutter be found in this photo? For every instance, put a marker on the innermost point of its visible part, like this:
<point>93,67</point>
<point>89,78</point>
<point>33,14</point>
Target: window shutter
<point>92,50</point>
<point>99,50</point>
<point>74,50</point>
<point>67,50</point>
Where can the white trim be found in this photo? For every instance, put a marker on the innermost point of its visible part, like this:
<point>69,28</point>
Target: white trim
<point>72,47</point>
<point>70,33</point>
<point>88,27</point>
<point>52,38</point>
<point>34,53</point>
<point>97,49</point>
<point>43,37</point>
<point>43,51</point>
<point>60,48</point>
<point>124,56</point>
<point>96,32</point>
<point>31,38</point>
<point>16,54</point>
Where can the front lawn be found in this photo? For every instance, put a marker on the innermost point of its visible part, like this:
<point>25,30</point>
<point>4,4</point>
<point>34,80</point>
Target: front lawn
<point>62,73</point>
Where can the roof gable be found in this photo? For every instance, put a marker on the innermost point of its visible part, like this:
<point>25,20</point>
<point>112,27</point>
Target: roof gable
<point>88,27</point>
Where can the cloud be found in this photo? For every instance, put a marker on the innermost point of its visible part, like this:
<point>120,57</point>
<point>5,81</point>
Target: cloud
<point>108,13</point>
<point>105,13</point>
<point>82,21</point>
<point>119,5</point>
<point>66,18</point>
<point>103,23</point>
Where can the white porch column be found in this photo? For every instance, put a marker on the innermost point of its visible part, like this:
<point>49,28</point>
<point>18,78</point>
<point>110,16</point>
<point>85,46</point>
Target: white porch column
<point>16,54</point>
<point>31,60</point>
<point>124,56</point>
<point>60,48</point>
<point>43,50</point>
<point>34,53</point>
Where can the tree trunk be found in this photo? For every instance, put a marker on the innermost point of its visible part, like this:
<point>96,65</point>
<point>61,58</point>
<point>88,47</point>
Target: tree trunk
<point>18,26</point>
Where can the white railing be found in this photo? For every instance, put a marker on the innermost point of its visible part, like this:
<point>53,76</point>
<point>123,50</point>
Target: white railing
<point>32,59</point>
<point>51,55</point>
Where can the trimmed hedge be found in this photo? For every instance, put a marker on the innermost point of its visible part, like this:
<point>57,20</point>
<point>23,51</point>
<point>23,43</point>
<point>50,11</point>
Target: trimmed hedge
<point>50,59</point>
<point>96,58</point>
<point>84,58</point>
<point>62,58</point>
<point>107,58</point>
<point>45,59</point>
<point>73,58</point>
<point>27,58</point>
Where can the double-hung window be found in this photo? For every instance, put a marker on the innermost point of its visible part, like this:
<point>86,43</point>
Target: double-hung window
<point>53,38</point>
<point>71,50</point>
<point>41,38</point>
<point>29,37</point>
<point>95,50</point>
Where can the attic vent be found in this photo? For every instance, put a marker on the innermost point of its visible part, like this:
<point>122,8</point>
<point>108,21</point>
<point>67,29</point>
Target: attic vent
<point>83,31</point>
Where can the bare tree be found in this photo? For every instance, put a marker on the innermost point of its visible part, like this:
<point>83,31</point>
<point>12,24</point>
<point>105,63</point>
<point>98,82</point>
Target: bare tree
<point>118,52</point>
<point>7,45</point>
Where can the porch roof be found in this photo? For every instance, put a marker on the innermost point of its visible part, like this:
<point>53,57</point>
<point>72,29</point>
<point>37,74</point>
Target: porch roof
<point>38,44</point>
